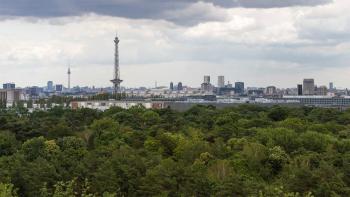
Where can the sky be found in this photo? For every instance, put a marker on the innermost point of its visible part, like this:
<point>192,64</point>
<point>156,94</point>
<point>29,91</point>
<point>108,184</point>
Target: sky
<point>263,43</point>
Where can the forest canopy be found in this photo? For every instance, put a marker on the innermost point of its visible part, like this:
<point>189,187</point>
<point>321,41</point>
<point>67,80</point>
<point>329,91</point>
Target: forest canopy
<point>247,150</point>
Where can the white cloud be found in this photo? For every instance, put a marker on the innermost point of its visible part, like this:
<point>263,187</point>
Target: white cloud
<point>251,26</point>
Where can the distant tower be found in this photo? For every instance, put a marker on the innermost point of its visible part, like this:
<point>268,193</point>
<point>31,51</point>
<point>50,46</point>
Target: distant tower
<point>69,73</point>
<point>116,80</point>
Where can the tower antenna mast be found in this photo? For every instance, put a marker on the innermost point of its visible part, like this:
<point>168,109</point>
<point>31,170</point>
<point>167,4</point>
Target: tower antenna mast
<point>116,80</point>
<point>69,73</point>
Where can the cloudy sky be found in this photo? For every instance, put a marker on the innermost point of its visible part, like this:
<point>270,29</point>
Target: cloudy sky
<point>269,42</point>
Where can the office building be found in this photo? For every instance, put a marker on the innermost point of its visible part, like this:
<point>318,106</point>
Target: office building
<point>300,89</point>
<point>239,87</point>
<point>331,86</point>
<point>309,87</point>
<point>8,86</point>
<point>221,81</point>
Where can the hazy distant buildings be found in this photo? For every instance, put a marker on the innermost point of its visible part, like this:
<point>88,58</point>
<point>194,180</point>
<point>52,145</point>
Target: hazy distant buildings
<point>171,86</point>
<point>239,88</point>
<point>271,90</point>
<point>322,90</point>
<point>221,81</point>
<point>8,86</point>
<point>34,91</point>
<point>207,79</point>
<point>59,88</point>
<point>206,85</point>
<point>309,87</point>
<point>179,86</point>
<point>256,92</point>
<point>229,85</point>
<point>331,86</point>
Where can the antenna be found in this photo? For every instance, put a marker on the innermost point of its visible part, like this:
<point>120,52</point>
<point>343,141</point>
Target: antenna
<point>69,73</point>
<point>116,80</point>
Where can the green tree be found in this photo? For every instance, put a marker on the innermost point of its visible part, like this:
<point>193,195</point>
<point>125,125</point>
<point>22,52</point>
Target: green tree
<point>8,143</point>
<point>7,190</point>
<point>105,131</point>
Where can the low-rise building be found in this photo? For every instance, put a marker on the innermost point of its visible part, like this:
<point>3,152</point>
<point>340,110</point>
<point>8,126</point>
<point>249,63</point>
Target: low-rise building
<point>104,105</point>
<point>319,101</point>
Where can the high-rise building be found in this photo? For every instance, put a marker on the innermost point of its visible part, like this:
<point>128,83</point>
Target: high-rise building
<point>207,79</point>
<point>10,96</point>
<point>171,86</point>
<point>179,86</point>
<point>50,86</point>
<point>206,86</point>
<point>309,87</point>
<point>221,81</point>
<point>331,86</point>
<point>300,89</point>
<point>239,87</point>
<point>9,86</point>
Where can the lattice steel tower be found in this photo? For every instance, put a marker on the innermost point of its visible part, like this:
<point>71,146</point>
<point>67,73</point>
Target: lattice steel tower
<point>116,80</point>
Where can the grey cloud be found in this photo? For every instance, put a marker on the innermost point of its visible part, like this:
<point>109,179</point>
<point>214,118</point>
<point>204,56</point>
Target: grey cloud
<point>137,9</point>
<point>273,3</point>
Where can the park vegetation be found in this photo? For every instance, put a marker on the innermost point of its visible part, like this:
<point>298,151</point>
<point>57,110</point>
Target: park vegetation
<point>240,151</point>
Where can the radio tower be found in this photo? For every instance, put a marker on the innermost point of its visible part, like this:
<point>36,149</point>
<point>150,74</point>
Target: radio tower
<point>69,77</point>
<point>116,80</point>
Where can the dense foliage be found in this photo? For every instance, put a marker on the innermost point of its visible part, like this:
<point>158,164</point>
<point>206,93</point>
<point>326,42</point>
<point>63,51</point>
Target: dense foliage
<point>242,151</point>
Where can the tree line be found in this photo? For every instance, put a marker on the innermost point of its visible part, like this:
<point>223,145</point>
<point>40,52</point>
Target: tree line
<point>246,150</point>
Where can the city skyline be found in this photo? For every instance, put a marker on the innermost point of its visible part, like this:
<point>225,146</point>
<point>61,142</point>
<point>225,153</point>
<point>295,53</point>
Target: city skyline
<point>245,42</point>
